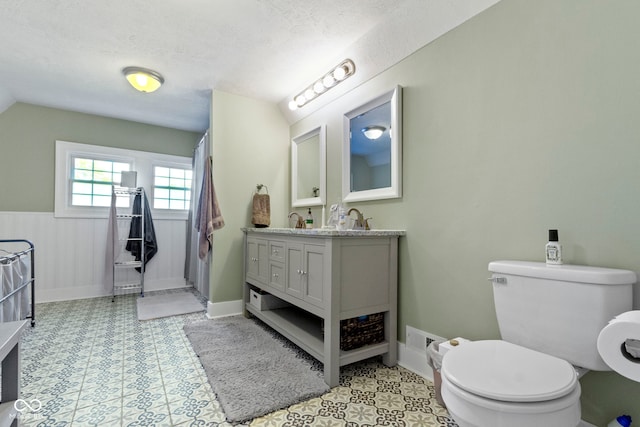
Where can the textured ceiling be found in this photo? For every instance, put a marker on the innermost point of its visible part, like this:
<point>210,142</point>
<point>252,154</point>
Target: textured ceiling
<point>69,53</point>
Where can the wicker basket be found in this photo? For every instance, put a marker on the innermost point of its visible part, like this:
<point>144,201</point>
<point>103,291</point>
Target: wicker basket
<point>361,331</point>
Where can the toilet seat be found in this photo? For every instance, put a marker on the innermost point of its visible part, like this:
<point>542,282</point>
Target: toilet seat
<point>507,372</point>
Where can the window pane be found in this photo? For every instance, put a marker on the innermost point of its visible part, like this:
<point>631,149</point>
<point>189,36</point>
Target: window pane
<point>160,171</point>
<point>81,200</point>
<point>161,182</point>
<point>102,190</point>
<point>176,194</point>
<point>176,204</point>
<point>161,193</point>
<point>161,204</point>
<point>83,175</point>
<point>101,165</point>
<point>83,163</point>
<point>103,176</point>
<point>174,182</point>
<point>177,173</point>
<point>188,174</point>
<point>81,188</point>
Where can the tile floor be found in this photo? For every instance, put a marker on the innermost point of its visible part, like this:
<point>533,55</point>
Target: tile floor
<point>92,363</point>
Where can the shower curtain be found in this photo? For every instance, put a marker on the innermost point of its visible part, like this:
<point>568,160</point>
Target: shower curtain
<point>196,269</point>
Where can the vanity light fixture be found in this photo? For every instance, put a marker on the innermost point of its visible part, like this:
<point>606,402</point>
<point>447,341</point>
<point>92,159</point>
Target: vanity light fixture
<point>373,132</point>
<point>143,79</point>
<point>338,74</point>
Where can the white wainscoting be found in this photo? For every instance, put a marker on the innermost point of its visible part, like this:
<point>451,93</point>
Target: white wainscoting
<point>70,254</point>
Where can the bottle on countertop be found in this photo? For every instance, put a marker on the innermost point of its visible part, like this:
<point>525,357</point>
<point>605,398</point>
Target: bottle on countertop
<point>309,221</point>
<point>553,249</point>
<point>342,218</point>
<point>621,421</point>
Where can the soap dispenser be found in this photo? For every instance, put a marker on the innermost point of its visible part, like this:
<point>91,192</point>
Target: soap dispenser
<point>553,249</point>
<point>309,221</point>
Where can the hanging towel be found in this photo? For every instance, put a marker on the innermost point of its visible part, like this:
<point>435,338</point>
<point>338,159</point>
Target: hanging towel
<point>150,242</point>
<point>208,217</point>
<point>261,210</point>
<point>113,248</point>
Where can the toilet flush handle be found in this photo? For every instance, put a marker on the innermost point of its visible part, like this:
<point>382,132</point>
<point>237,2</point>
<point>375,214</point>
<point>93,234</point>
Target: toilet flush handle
<point>498,280</point>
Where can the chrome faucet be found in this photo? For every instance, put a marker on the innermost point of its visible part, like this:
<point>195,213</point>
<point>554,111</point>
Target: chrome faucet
<point>359,222</point>
<point>299,222</point>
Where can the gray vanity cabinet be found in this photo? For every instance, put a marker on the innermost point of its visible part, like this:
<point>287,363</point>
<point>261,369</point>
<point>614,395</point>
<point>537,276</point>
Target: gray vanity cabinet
<point>323,277</point>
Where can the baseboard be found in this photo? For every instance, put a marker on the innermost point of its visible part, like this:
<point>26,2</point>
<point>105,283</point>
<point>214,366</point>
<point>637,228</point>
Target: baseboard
<point>223,309</point>
<point>415,361</point>
<point>95,291</point>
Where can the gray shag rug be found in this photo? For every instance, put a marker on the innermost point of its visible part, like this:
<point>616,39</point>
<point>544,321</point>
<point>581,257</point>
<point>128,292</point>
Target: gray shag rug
<point>252,370</point>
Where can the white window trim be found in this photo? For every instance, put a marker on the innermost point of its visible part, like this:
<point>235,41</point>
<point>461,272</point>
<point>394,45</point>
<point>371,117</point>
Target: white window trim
<point>142,162</point>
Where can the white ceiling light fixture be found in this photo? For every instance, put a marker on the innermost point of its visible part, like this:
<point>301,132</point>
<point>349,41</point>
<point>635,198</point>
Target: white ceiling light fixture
<point>338,74</point>
<point>143,79</point>
<point>373,132</point>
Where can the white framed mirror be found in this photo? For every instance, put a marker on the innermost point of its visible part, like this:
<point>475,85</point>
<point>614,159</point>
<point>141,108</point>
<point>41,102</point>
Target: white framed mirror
<point>309,168</point>
<point>372,149</point>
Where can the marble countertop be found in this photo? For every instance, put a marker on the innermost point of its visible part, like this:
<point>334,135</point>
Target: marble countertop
<point>325,232</point>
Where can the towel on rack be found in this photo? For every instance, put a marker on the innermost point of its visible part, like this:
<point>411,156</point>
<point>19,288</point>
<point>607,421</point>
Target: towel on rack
<point>150,242</point>
<point>261,210</point>
<point>113,247</point>
<point>208,217</point>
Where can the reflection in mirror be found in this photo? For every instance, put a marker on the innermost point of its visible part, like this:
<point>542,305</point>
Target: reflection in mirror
<point>308,168</point>
<point>372,149</point>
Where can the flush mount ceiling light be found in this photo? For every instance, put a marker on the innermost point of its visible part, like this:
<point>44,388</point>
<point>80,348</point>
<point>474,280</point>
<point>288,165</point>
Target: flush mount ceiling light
<point>373,132</point>
<point>337,74</point>
<point>143,79</point>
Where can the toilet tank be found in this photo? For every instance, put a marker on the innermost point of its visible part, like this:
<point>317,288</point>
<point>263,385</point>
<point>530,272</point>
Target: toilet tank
<point>559,309</point>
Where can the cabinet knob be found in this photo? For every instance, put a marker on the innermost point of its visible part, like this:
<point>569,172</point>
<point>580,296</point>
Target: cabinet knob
<point>275,275</point>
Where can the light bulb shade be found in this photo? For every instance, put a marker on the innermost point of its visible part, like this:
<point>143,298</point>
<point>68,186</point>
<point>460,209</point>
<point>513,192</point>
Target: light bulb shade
<point>143,79</point>
<point>373,132</point>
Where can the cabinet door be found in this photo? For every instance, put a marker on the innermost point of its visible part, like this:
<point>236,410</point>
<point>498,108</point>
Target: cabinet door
<point>314,274</point>
<point>294,269</point>
<point>257,260</point>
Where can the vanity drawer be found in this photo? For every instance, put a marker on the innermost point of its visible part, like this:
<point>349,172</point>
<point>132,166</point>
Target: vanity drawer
<point>277,275</point>
<point>276,250</point>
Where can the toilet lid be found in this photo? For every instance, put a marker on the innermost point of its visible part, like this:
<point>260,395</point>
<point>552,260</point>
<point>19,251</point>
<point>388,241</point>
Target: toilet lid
<point>508,372</point>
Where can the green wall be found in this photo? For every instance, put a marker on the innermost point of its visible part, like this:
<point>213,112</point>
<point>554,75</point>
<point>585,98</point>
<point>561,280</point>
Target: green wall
<point>522,119</point>
<point>250,146</point>
<point>27,148</point>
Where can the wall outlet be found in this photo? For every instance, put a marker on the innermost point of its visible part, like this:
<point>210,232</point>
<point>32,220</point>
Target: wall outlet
<point>419,340</point>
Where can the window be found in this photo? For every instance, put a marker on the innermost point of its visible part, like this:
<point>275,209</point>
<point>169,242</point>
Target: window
<point>91,181</point>
<point>171,188</point>
<point>84,175</point>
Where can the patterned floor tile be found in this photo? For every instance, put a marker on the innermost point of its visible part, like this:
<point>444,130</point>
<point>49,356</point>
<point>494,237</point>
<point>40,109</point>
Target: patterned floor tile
<point>103,414</point>
<point>91,362</point>
<point>153,415</point>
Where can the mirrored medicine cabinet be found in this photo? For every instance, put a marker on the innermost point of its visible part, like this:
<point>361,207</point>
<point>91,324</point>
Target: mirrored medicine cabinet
<point>308,168</point>
<point>372,149</point>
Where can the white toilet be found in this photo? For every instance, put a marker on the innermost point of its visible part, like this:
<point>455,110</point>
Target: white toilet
<point>549,318</point>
